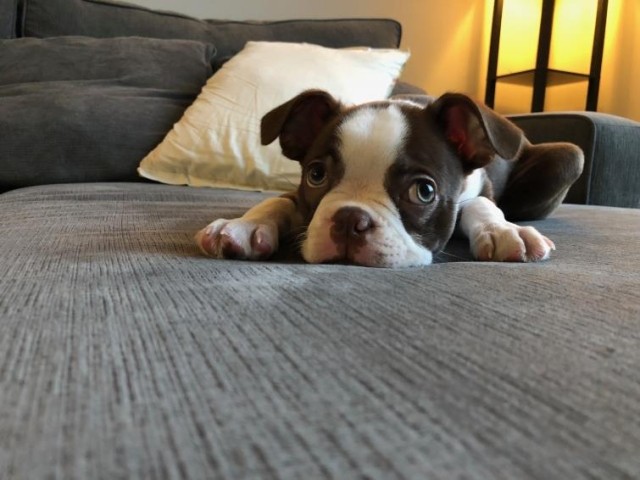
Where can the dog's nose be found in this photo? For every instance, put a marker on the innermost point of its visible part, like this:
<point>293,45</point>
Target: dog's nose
<point>351,222</point>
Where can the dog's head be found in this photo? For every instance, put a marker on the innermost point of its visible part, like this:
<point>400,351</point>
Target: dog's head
<point>381,182</point>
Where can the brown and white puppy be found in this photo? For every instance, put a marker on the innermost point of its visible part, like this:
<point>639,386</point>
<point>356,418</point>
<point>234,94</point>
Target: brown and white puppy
<point>384,184</point>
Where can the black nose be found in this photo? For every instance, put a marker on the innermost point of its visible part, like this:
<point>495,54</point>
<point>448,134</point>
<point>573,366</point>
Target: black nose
<point>351,222</point>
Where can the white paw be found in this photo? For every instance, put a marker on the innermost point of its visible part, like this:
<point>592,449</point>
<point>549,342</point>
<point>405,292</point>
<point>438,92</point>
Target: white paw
<point>506,242</point>
<point>238,238</point>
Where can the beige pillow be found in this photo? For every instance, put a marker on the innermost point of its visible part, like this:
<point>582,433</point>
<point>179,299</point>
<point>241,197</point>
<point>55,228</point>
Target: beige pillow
<point>217,141</point>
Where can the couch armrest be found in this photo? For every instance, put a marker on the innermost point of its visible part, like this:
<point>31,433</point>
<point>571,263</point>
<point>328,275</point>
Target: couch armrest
<point>611,146</point>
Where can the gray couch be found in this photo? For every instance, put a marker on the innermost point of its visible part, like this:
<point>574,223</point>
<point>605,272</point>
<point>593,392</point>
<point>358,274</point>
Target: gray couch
<point>126,354</point>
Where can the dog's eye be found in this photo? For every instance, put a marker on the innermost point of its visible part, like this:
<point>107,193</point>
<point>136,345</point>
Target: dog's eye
<point>316,174</point>
<point>422,191</point>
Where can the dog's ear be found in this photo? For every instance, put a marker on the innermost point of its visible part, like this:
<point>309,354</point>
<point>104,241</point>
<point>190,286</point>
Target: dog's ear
<point>298,122</point>
<point>475,131</point>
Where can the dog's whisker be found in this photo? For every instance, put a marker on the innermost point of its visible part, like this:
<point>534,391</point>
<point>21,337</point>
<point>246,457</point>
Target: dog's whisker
<point>447,254</point>
<point>297,237</point>
<point>298,234</point>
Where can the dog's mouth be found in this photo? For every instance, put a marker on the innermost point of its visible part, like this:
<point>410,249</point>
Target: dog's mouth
<point>350,254</point>
<point>368,255</point>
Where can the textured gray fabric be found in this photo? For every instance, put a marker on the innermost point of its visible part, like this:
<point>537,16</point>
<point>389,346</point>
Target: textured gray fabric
<point>126,354</point>
<point>131,62</point>
<point>83,109</point>
<point>230,37</point>
<point>8,11</point>
<point>96,18</point>
<point>616,168</point>
<point>612,153</point>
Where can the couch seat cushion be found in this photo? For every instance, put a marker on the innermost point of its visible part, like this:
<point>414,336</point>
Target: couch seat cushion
<point>124,353</point>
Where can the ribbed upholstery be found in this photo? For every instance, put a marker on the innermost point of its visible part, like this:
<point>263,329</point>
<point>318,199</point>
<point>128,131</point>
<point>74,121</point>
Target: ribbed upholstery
<point>124,353</point>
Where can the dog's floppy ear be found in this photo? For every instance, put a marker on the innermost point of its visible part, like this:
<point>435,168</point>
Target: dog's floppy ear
<point>298,122</point>
<point>475,131</point>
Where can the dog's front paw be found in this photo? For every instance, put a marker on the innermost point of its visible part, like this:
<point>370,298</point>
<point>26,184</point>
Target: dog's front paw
<point>238,238</point>
<point>507,242</point>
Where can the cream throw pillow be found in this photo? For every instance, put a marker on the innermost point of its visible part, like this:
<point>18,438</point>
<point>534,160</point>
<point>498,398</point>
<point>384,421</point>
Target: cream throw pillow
<point>217,141</point>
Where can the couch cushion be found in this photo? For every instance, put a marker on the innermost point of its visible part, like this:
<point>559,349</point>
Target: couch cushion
<point>97,18</point>
<point>124,353</point>
<point>85,109</point>
<point>8,18</point>
<point>217,141</point>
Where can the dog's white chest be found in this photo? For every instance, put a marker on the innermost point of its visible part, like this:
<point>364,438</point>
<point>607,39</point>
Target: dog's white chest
<point>473,186</point>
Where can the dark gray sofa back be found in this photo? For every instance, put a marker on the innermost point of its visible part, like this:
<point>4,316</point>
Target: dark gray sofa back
<point>65,117</point>
<point>99,18</point>
<point>8,18</point>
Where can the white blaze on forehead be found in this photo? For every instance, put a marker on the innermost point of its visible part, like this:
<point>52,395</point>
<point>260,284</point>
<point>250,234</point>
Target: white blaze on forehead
<point>370,141</point>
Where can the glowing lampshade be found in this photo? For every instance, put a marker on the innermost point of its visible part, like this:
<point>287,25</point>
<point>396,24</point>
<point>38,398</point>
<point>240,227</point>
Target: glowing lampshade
<point>536,44</point>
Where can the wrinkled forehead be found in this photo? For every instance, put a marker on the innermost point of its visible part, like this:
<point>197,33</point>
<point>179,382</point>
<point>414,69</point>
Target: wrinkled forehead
<point>370,139</point>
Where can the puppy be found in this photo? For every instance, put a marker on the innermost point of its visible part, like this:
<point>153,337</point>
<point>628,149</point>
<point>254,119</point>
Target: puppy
<point>385,183</point>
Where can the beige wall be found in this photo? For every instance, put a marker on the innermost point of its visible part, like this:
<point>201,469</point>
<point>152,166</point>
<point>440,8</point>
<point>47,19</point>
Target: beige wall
<point>621,65</point>
<point>449,40</point>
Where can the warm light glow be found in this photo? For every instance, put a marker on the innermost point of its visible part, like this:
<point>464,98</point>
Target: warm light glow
<point>620,69</point>
<point>574,23</point>
<point>620,74</point>
<point>513,98</point>
<point>519,35</point>
<point>571,39</point>
<point>562,98</point>
<point>571,44</point>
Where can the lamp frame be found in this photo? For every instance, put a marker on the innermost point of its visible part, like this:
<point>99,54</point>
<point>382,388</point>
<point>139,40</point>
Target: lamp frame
<point>541,76</point>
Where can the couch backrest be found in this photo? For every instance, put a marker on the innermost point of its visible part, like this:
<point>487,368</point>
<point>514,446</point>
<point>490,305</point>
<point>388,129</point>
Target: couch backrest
<point>67,118</point>
<point>99,18</point>
<point>8,18</point>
